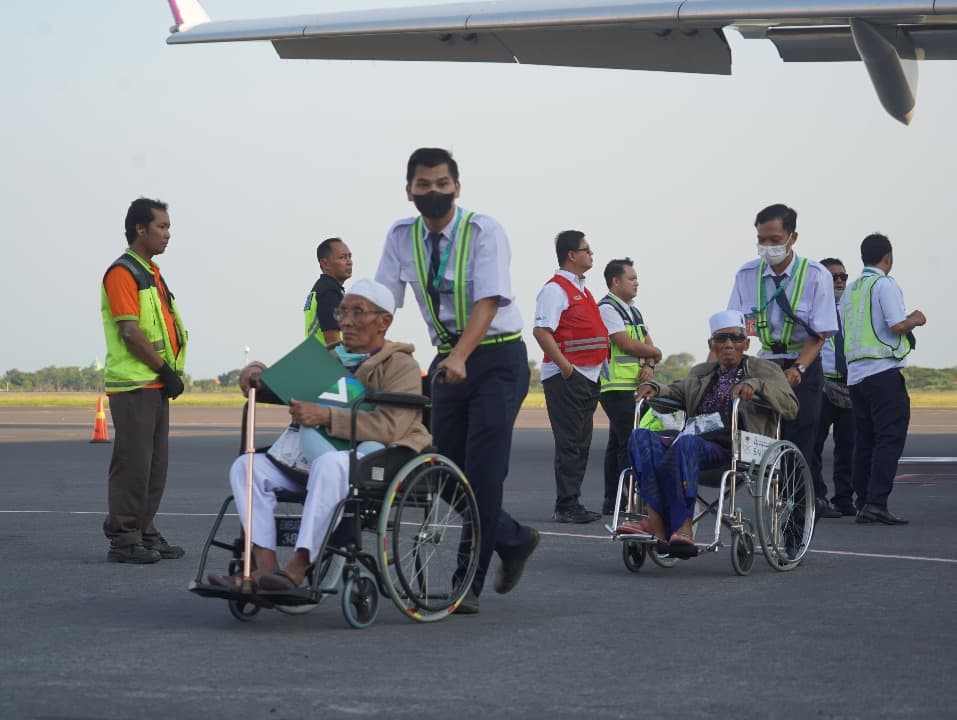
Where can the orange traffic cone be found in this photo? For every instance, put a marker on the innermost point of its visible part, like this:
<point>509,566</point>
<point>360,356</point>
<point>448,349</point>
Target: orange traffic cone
<point>99,425</point>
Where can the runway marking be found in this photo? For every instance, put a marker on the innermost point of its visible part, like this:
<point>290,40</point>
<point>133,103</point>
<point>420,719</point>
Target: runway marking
<point>583,536</point>
<point>915,460</point>
<point>851,553</point>
<point>882,556</point>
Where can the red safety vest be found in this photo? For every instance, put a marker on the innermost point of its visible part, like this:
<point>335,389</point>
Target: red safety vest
<point>581,334</point>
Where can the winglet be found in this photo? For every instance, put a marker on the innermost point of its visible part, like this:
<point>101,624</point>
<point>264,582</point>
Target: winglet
<point>187,14</point>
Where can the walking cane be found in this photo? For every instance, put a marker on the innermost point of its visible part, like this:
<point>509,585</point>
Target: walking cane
<point>247,586</point>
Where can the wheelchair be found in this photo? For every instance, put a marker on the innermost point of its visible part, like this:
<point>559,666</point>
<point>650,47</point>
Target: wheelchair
<point>420,508</point>
<point>771,471</point>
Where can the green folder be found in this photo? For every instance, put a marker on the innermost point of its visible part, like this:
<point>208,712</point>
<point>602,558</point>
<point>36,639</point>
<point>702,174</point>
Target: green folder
<point>304,373</point>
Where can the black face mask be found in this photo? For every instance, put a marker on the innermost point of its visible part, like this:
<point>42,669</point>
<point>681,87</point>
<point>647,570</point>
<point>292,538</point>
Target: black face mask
<point>434,205</point>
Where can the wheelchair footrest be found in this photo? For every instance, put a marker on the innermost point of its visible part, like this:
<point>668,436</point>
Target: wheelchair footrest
<point>222,593</point>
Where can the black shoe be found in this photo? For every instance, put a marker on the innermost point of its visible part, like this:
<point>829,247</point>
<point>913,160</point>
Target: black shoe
<point>846,509</point>
<point>510,571</point>
<point>136,554</point>
<point>167,551</point>
<point>876,513</point>
<point>469,604</point>
<point>578,515</point>
<point>608,507</point>
<point>823,509</point>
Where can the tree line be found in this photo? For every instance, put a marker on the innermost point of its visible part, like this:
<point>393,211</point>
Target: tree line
<point>673,367</point>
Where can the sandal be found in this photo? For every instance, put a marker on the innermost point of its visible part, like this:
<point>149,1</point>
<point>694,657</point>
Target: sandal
<point>279,580</point>
<point>635,527</point>
<point>231,582</point>
<point>681,545</point>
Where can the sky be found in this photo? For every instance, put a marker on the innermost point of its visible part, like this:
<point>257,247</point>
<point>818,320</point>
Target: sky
<point>261,158</point>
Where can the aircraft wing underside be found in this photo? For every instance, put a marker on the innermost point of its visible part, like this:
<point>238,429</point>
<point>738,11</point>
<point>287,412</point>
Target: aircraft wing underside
<point>668,35</point>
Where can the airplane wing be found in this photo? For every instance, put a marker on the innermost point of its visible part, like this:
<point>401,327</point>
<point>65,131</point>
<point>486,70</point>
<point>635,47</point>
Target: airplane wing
<point>889,36</point>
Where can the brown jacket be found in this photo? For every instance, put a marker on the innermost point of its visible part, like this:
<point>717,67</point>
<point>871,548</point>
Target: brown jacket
<point>392,369</point>
<point>764,376</point>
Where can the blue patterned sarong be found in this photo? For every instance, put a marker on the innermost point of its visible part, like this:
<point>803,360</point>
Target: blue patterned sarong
<point>667,476</point>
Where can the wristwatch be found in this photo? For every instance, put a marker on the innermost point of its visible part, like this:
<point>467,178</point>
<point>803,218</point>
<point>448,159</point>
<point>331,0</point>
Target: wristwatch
<point>799,367</point>
<point>650,363</point>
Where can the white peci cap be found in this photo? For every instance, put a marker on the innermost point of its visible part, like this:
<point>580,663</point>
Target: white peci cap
<point>726,319</point>
<point>375,292</point>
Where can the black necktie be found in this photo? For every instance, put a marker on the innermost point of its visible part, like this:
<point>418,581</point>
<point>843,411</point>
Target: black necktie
<point>840,361</point>
<point>434,262</point>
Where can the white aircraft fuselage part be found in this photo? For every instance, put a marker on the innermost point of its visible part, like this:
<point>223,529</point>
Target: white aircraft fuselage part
<point>889,36</point>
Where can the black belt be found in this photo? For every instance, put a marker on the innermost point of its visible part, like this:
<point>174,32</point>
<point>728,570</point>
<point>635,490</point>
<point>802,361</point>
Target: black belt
<point>499,340</point>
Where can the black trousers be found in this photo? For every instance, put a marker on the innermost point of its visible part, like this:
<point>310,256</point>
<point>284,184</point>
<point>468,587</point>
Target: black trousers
<point>842,420</point>
<point>472,424</point>
<point>571,407</point>
<point>802,430</point>
<point>881,417</point>
<point>619,406</point>
<point>138,466</point>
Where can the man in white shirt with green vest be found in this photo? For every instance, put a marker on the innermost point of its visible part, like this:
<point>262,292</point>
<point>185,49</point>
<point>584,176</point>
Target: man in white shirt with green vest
<point>877,337</point>
<point>632,360</point>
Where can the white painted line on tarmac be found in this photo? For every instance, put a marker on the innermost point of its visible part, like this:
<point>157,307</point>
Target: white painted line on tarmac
<point>925,460</point>
<point>583,536</point>
<point>101,512</point>
<point>881,556</point>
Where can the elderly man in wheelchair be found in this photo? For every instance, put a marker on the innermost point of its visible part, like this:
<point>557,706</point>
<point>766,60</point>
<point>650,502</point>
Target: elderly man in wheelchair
<point>364,315</point>
<point>667,468</point>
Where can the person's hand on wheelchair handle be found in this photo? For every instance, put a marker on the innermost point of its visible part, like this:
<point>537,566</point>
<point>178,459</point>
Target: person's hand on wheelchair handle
<point>645,392</point>
<point>743,391</point>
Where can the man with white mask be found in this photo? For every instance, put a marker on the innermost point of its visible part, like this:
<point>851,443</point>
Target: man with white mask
<point>788,303</point>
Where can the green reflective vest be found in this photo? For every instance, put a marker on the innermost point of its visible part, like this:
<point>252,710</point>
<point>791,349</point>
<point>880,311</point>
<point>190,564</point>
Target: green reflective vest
<point>124,371</point>
<point>861,341</point>
<point>623,369</point>
<point>797,292</point>
<point>311,312</point>
<point>463,239</point>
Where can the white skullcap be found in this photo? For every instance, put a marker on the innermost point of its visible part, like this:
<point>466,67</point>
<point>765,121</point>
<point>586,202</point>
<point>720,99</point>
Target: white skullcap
<point>726,319</point>
<point>375,292</point>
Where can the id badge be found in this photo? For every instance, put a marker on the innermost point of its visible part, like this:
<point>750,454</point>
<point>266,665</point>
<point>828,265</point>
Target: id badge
<point>751,324</point>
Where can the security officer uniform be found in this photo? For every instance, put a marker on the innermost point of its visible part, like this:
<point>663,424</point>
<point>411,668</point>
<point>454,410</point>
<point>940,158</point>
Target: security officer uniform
<point>472,420</point>
<point>617,390</point>
<point>784,311</point>
<point>871,305</point>
<point>321,304</point>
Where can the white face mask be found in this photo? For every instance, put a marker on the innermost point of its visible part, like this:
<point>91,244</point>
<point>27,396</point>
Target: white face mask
<point>773,254</point>
<point>838,294</point>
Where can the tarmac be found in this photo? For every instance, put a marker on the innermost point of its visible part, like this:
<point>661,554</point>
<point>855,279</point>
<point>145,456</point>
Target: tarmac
<point>864,628</point>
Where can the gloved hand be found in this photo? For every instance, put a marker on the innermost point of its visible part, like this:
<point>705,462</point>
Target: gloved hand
<point>173,385</point>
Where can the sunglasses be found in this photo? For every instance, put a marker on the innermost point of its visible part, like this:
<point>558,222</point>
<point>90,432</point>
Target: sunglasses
<point>839,276</point>
<point>722,338</point>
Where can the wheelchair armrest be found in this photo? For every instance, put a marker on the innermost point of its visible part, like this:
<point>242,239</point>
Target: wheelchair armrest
<point>394,398</point>
<point>666,405</point>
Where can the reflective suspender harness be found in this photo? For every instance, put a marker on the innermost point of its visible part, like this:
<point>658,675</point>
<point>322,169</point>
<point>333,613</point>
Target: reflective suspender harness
<point>462,236</point>
<point>783,344</point>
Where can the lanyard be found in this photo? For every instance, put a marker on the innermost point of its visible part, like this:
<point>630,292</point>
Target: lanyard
<point>761,292</point>
<point>444,260</point>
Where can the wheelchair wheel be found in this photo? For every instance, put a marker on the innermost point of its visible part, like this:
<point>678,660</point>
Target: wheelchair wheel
<point>360,601</point>
<point>785,506</point>
<point>742,552</point>
<point>663,561</point>
<point>243,610</point>
<point>634,555</point>
<point>428,538</point>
